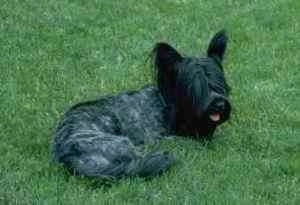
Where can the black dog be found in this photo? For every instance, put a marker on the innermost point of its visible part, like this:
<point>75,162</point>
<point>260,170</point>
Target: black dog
<point>104,138</point>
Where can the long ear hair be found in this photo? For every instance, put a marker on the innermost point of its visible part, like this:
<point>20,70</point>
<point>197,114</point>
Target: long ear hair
<point>164,59</point>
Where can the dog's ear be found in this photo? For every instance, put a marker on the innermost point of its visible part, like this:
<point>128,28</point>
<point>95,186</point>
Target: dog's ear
<point>217,45</point>
<point>165,59</point>
<point>165,56</point>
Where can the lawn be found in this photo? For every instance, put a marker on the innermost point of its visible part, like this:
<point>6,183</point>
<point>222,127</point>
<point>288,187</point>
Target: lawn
<point>56,53</point>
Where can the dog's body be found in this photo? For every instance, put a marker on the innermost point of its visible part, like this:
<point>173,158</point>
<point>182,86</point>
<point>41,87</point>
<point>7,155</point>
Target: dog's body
<point>102,138</point>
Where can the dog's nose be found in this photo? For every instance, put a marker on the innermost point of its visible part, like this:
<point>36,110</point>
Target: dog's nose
<point>220,105</point>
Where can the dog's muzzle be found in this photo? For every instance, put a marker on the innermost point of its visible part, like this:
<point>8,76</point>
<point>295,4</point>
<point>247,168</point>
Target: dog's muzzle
<point>218,108</point>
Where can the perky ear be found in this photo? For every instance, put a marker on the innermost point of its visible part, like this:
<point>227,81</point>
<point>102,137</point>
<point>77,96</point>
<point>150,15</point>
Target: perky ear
<point>217,45</point>
<point>165,59</point>
<point>165,56</point>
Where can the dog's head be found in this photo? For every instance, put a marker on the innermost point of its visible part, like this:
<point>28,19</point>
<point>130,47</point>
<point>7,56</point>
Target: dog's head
<point>193,88</point>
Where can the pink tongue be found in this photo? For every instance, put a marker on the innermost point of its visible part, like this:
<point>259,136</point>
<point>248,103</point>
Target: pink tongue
<point>215,117</point>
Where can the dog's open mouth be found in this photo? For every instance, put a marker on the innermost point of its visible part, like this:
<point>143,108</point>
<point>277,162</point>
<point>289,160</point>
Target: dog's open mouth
<point>215,117</point>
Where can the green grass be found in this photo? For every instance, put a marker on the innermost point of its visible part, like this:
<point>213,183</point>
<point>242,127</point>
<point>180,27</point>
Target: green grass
<point>56,53</point>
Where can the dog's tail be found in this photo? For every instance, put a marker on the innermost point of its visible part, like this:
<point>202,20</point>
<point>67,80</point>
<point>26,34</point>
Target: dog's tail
<point>106,156</point>
<point>217,45</point>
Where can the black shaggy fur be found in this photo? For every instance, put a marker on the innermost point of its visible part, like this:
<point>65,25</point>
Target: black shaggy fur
<point>104,138</point>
